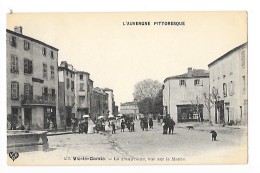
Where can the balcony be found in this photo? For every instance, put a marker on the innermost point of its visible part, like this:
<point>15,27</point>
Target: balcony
<point>46,100</point>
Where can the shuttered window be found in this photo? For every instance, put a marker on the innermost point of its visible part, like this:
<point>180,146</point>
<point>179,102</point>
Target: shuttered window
<point>14,90</point>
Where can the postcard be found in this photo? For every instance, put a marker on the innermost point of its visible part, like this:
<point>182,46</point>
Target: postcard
<point>127,88</point>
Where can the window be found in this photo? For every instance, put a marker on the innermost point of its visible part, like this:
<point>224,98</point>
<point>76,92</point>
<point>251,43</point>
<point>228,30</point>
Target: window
<point>196,82</point>
<point>71,75</point>
<point>44,51</point>
<point>243,84</point>
<point>81,99</point>
<point>67,72</point>
<point>243,54</point>
<point>52,72</point>
<point>81,77</point>
<point>26,45</point>
<point>27,89</point>
<point>28,68</point>
<point>14,64</point>
<point>14,90</point>
<point>231,88</point>
<point>72,85</point>
<point>45,71</point>
<point>12,41</point>
<point>224,89</point>
<point>51,54</point>
<point>68,83</point>
<point>53,93</point>
<point>45,91</point>
<point>182,83</point>
<point>81,86</point>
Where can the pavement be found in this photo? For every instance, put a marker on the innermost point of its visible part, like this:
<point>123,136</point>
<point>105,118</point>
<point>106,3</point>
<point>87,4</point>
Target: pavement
<point>185,146</point>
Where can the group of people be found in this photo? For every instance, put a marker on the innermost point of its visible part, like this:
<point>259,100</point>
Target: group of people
<point>81,124</point>
<point>127,123</point>
<point>144,123</point>
<point>168,125</point>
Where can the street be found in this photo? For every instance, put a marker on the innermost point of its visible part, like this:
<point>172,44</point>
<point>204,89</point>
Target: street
<point>185,146</point>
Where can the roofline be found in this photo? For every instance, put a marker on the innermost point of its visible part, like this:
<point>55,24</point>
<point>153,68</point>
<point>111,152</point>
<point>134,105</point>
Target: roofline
<point>228,53</point>
<point>179,77</point>
<point>32,39</point>
<point>82,72</point>
<point>64,68</point>
<point>107,89</point>
<point>100,92</point>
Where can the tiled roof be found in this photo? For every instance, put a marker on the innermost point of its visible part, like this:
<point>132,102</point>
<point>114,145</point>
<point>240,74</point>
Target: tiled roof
<point>195,73</point>
<point>31,39</point>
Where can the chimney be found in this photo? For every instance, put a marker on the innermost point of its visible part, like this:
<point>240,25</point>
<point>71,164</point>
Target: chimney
<point>18,29</point>
<point>189,72</point>
<point>64,64</point>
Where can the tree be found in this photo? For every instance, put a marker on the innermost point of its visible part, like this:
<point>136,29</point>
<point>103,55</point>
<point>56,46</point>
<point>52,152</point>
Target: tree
<point>196,105</point>
<point>148,94</point>
<point>158,105</point>
<point>145,106</point>
<point>146,88</point>
<point>212,100</point>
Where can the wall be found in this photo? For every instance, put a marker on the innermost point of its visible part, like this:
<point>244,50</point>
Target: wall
<point>224,71</point>
<point>34,54</point>
<point>174,94</point>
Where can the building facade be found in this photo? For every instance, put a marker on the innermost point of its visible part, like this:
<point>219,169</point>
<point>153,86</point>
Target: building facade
<point>99,103</point>
<point>183,96</point>
<point>32,80</point>
<point>129,108</point>
<point>67,108</point>
<point>228,85</point>
<point>82,100</point>
<point>111,102</point>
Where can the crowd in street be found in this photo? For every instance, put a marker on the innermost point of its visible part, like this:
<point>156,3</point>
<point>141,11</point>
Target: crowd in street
<point>123,123</point>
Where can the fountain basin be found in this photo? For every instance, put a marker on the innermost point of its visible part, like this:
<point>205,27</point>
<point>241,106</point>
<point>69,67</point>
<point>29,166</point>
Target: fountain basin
<point>22,141</point>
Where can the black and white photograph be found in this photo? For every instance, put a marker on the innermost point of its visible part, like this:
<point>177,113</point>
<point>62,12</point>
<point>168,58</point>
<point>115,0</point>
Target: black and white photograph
<point>127,88</point>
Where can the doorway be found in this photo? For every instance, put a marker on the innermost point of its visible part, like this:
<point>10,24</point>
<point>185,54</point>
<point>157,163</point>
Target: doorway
<point>28,116</point>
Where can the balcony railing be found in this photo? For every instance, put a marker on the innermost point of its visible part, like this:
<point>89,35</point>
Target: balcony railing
<point>46,100</point>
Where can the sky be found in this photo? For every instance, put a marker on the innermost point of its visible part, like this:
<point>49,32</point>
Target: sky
<point>118,56</point>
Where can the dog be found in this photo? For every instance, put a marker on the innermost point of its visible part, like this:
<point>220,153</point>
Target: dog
<point>190,127</point>
<point>214,135</point>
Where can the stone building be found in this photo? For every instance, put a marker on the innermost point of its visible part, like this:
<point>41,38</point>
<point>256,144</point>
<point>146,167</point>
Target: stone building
<point>32,80</point>
<point>129,108</point>
<point>82,100</point>
<point>99,103</point>
<point>228,85</point>
<point>67,107</point>
<point>111,102</point>
<point>183,96</point>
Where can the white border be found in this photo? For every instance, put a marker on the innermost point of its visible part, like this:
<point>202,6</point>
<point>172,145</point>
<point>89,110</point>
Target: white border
<point>144,5</point>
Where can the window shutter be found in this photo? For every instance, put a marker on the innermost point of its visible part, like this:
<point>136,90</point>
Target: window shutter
<point>17,90</point>
<point>30,67</point>
<point>31,90</point>
<point>10,40</point>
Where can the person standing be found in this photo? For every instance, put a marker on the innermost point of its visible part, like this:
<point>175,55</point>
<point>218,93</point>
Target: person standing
<point>103,125</point>
<point>122,126</point>
<point>85,125</point>
<point>113,127</point>
<point>171,126</point>
<point>151,123</point>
